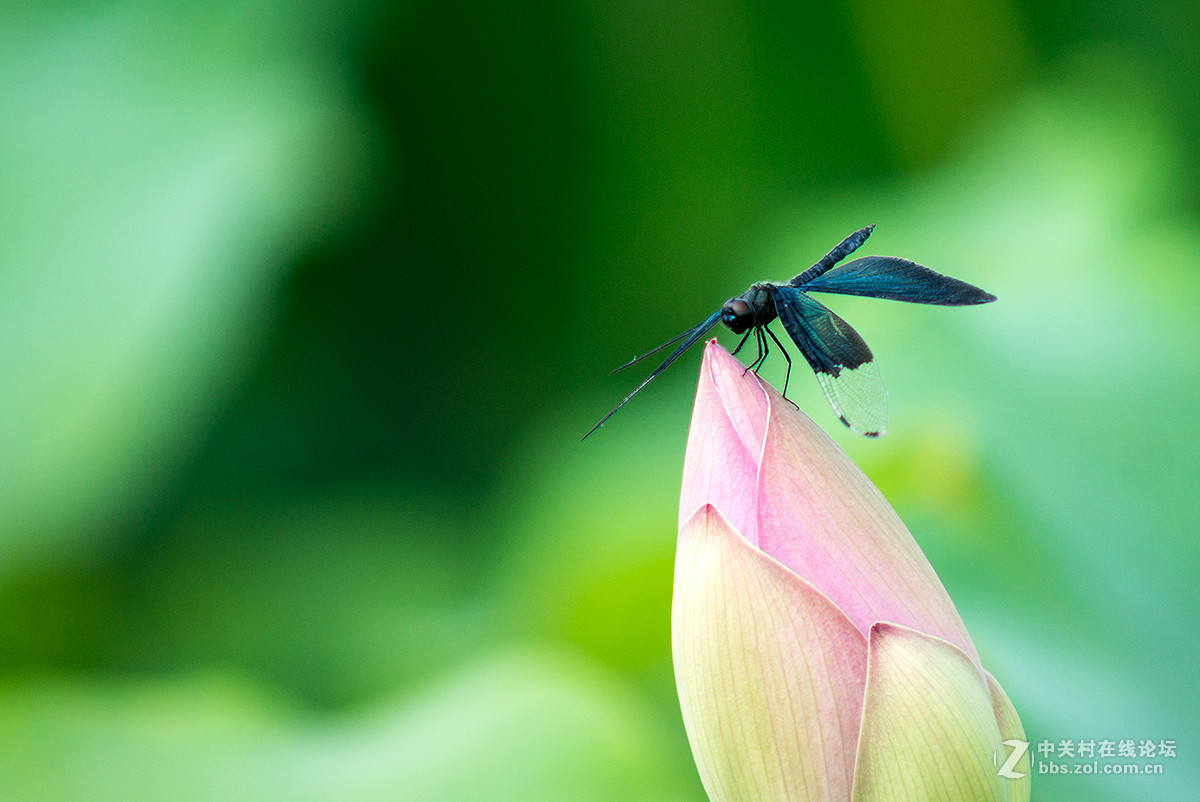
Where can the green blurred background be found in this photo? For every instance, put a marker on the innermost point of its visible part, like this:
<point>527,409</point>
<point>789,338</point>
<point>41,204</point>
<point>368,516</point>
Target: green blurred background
<point>304,307</point>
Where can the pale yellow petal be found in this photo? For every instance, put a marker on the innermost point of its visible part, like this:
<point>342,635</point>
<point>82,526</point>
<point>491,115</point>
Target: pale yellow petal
<point>928,730</point>
<point>770,673</point>
<point>1017,787</point>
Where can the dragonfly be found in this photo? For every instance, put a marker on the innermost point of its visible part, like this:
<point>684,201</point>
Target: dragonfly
<point>844,365</point>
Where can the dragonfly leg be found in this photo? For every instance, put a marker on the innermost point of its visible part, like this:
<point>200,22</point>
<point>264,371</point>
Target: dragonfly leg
<point>753,331</point>
<point>763,349</point>
<point>741,342</point>
<point>788,374</point>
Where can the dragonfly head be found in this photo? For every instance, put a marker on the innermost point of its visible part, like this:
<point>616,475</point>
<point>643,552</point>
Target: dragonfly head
<point>738,315</point>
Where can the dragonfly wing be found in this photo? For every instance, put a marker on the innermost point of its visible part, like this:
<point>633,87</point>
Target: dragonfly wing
<point>896,280</point>
<point>689,337</point>
<point>844,365</point>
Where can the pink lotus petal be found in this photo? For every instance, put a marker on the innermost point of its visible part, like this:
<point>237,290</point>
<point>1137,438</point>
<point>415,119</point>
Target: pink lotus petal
<point>725,442</point>
<point>823,518</point>
<point>785,485</point>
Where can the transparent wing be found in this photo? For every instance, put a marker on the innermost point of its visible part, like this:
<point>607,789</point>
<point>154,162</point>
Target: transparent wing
<point>844,365</point>
<point>896,280</point>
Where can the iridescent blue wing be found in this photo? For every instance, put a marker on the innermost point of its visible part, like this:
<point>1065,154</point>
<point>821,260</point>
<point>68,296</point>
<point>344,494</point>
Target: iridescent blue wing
<point>844,365</point>
<point>689,337</point>
<point>896,280</point>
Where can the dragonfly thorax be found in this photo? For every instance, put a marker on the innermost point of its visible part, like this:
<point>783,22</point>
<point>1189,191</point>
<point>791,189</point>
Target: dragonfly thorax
<point>754,307</point>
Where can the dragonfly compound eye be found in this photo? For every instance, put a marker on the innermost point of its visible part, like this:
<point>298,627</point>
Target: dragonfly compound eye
<point>737,315</point>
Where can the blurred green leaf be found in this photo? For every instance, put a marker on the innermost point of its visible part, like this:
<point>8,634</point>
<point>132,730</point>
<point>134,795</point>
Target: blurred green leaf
<point>517,726</point>
<point>934,65</point>
<point>160,165</point>
<point>590,554</point>
<point>338,596</point>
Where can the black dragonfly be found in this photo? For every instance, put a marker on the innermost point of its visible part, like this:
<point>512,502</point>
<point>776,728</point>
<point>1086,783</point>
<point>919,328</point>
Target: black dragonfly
<point>843,363</point>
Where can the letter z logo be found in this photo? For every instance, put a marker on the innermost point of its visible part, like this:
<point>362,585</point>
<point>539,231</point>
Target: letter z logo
<point>1018,751</point>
